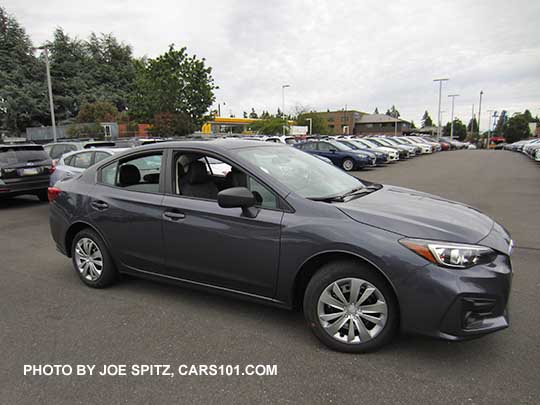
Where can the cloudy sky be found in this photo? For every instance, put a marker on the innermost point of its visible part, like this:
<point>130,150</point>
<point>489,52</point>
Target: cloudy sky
<point>333,53</point>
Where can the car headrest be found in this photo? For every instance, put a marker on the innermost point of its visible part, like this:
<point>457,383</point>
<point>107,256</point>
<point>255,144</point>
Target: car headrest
<point>129,175</point>
<point>197,173</point>
<point>239,179</point>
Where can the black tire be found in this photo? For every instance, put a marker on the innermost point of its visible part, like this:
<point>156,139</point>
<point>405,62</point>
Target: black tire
<point>347,164</point>
<point>109,273</point>
<point>43,195</point>
<point>339,270</point>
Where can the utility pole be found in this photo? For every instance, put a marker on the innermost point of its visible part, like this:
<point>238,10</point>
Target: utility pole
<point>480,111</point>
<point>49,86</point>
<point>439,113</point>
<point>283,86</point>
<point>453,96</point>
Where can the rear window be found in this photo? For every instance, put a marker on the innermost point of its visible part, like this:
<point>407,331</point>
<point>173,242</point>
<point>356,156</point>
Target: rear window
<point>22,154</point>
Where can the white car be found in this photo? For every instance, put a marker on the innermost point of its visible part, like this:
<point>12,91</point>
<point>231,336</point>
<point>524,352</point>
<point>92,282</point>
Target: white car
<point>393,155</point>
<point>73,163</point>
<point>289,140</point>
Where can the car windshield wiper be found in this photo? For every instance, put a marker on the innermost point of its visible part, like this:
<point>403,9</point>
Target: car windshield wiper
<point>355,192</point>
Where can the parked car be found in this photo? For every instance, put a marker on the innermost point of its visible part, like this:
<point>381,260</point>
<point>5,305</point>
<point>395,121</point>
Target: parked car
<point>393,154</point>
<point>289,140</point>
<point>57,149</point>
<point>24,169</point>
<point>413,147</point>
<point>404,153</point>
<point>340,155</point>
<point>380,157</point>
<point>284,228</point>
<point>77,162</point>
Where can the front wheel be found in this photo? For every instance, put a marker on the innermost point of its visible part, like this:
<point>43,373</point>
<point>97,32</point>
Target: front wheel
<point>91,260</point>
<point>347,165</point>
<point>350,307</point>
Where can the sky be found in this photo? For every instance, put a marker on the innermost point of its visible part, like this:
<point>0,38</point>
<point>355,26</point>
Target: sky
<point>334,54</point>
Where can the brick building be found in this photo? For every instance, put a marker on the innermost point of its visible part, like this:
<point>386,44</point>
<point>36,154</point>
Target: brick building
<point>352,122</point>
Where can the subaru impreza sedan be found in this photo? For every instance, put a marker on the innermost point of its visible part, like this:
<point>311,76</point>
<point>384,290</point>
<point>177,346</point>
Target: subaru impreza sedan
<point>281,227</point>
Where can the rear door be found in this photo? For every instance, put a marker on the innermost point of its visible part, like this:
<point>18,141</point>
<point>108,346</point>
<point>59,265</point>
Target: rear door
<point>126,205</point>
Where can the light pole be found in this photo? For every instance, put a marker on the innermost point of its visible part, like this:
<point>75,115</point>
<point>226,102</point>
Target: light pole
<point>283,86</point>
<point>439,114</point>
<point>310,124</point>
<point>453,96</point>
<point>49,85</point>
<point>480,111</point>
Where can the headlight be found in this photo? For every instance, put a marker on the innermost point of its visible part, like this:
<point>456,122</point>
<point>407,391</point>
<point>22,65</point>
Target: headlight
<point>454,255</point>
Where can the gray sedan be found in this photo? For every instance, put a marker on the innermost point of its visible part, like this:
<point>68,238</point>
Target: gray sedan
<point>282,227</point>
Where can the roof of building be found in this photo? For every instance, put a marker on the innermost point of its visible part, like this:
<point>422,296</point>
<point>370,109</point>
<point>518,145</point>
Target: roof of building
<point>378,118</point>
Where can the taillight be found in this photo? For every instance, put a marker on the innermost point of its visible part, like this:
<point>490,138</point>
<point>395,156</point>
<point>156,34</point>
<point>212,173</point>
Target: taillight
<point>51,169</point>
<point>52,193</point>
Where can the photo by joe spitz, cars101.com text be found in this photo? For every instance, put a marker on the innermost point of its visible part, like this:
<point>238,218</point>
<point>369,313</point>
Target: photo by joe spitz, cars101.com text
<point>269,202</point>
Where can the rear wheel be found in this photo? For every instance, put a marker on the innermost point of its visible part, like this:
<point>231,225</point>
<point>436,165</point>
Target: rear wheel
<point>92,261</point>
<point>350,307</point>
<point>347,164</point>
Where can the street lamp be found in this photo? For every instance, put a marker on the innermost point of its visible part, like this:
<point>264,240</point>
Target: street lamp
<point>283,86</point>
<point>310,124</point>
<point>49,85</point>
<point>439,114</point>
<point>480,111</point>
<point>453,96</point>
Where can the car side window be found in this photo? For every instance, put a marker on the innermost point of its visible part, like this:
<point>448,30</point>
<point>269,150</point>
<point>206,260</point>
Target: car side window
<point>100,156</point>
<point>57,151</point>
<point>325,147</point>
<point>139,173</point>
<point>204,177</point>
<point>81,160</point>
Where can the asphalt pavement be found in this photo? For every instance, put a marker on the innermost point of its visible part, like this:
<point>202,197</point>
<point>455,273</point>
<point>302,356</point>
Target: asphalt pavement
<point>48,317</point>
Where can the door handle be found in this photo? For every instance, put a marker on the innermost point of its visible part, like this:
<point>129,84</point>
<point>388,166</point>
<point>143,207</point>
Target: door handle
<point>173,215</point>
<point>100,205</point>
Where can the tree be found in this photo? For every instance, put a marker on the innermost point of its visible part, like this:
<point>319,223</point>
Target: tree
<point>167,124</point>
<point>516,128</point>
<point>413,126</point>
<point>245,114</point>
<point>253,114</point>
<point>474,124</point>
<point>100,111</point>
<point>173,83</point>
<point>318,125</point>
<point>23,93</point>
<point>270,126</point>
<point>501,121</point>
<point>393,112</point>
<point>426,120</point>
<point>460,130</point>
<point>376,110</point>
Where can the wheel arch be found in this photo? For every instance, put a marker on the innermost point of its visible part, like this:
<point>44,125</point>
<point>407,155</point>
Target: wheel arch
<point>311,265</point>
<point>74,229</point>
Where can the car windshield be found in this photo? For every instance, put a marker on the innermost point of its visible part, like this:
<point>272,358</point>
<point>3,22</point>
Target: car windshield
<point>340,146</point>
<point>301,172</point>
<point>22,154</point>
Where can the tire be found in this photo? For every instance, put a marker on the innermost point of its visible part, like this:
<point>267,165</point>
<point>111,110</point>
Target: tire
<point>372,335</point>
<point>42,195</point>
<point>347,164</point>
<point>84,246</point>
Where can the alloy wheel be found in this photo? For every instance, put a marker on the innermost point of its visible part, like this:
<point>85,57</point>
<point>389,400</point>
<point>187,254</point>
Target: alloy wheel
<point>348,164</point>
<point>352,310</point>
<point>89,259</point>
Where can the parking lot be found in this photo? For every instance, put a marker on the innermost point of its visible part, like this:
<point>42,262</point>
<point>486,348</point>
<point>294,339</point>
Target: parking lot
<point>49,317</point>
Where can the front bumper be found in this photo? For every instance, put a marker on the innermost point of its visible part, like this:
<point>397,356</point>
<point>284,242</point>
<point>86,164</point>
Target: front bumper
<point>458,304</point>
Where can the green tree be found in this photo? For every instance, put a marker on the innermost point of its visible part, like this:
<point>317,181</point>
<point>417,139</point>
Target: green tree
<point>474,124</point>
<point>100,111</point>
<point>501,121</point>
<point>23,93</point>
<point>376,110</point>
<point>516,128</point>
<point>426,120</point>
<point>460,130</point>
<point>253,114</point>
<point>413,126</point>
<point>318,125</point>
<point>167,124</point>
<point>393,112</point>
<point>270,126</point>
<point>173,83</point>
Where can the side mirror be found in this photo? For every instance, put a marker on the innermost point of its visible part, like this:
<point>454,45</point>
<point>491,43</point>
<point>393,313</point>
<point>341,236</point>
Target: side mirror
<point>238,197</point>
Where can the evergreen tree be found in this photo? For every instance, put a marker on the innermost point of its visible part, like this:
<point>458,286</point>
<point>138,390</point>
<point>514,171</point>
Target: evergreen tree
<point>376,110</point>
<point>426,120</point>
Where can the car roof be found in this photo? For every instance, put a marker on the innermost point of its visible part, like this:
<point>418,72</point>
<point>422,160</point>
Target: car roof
<point>215,145</point>
<point>110,150</point>
<point>20,145</point>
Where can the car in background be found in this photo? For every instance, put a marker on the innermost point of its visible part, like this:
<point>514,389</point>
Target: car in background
<point>289,140</point>
<point>435,146</point>
<point>380,157</point>
<point>393,154</point>
<point>416,149</point>
<point>422,147</point>
<point>57,149</point>
<point>24,169</point>
<point>77,162</point>
<point>404,152</point>
<point>340,155</point>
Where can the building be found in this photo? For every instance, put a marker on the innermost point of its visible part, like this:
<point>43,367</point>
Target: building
<point>352,122</point>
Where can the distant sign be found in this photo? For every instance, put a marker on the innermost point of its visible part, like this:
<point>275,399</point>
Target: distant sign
<point>298,130</point>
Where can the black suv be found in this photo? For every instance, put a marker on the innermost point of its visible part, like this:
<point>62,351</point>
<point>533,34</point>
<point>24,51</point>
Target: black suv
<point>24,169</point>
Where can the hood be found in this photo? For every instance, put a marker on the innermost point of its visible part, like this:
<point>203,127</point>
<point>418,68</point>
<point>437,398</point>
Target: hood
<point>418,215</point>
